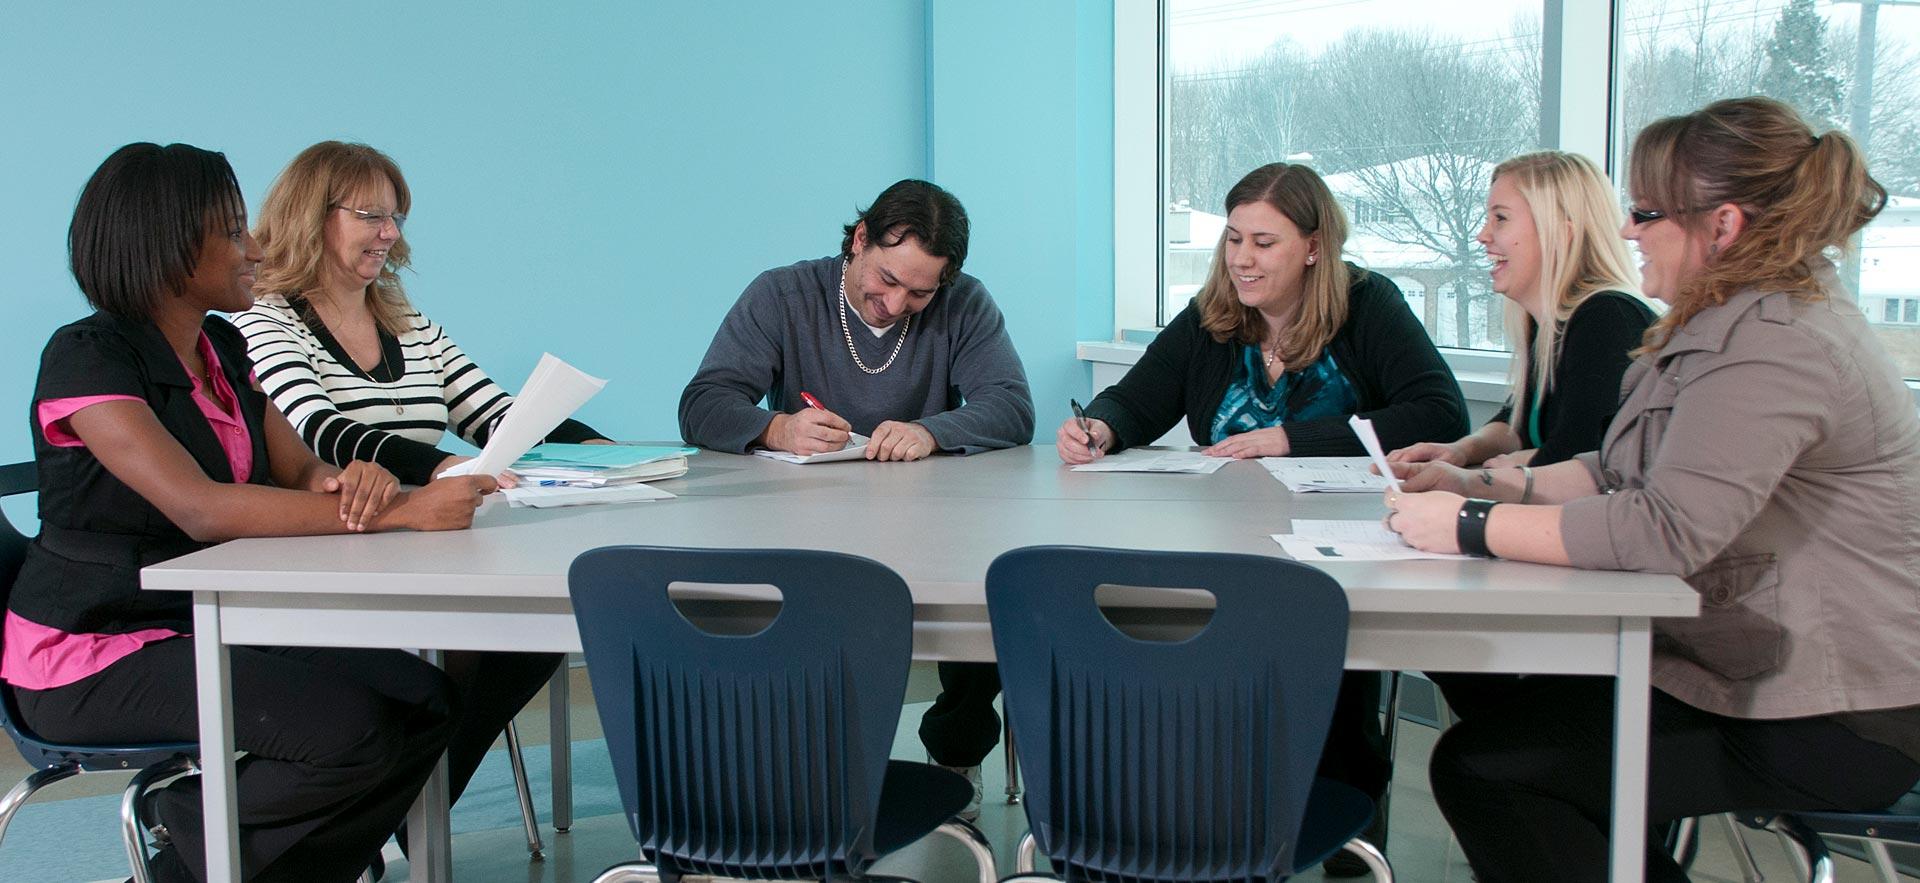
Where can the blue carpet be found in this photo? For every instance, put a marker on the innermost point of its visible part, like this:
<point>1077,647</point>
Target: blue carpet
<point>58,841</point>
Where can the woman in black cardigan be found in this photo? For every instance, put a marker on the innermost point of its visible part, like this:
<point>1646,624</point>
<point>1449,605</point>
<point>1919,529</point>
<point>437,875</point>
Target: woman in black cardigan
<point>1284,342</point>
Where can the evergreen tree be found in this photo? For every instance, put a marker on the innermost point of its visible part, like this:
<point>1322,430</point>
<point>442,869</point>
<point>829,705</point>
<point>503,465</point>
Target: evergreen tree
<point>1800,66</point>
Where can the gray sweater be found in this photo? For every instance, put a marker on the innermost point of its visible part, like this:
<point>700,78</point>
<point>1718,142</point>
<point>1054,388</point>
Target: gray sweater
<point>957,374</point>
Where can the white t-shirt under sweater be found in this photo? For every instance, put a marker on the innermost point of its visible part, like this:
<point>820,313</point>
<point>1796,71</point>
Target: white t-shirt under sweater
<point>394,414</point>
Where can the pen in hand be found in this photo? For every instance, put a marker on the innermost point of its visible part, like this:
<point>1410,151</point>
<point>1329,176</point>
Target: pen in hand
<point>811,401</point>
<point>1085,426</point>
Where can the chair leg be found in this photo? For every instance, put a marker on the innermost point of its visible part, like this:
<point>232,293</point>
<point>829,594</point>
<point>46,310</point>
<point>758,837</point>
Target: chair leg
<point>1682,838</point>
<point>629,872</point>
<point>560,725</point>
<point>524,792</point>
<point>1013,764</point>
<point>1025,855</point>
<point>1375,861</point>
<point>1882,861</point>
<point>35,781</point>
<point>1808,851</point>
<point>1742,853</point>
<point>133,829</point>
<point>976,843</point>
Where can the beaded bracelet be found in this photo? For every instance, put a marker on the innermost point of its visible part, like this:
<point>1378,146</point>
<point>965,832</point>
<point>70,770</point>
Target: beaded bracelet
<point>1470,531</point>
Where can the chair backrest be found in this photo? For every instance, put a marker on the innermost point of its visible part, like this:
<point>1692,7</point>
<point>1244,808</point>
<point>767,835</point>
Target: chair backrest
<point>755,755</point>
<point>1150,760</point>
<point>15,479</point>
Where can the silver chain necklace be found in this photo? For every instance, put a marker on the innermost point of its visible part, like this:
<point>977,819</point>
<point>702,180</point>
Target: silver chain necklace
<point>846,330</point>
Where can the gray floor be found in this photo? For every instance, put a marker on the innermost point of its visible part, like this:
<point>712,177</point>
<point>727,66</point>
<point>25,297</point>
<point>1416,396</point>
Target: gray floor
<point>1420,849</point>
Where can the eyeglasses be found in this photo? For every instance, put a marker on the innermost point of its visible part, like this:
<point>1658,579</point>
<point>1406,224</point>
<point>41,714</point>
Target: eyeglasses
<point>376,219</point>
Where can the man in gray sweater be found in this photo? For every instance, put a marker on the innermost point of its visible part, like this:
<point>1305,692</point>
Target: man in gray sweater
<point>889,339</point>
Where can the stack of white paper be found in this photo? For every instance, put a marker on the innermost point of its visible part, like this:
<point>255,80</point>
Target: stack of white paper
<point>1326,475</point>
<point>1349,541</point>
<point>600,465</point>
<point>1142,460</point>
<point>856,449</point>
<point>552,393</point>
<point>557,497</point>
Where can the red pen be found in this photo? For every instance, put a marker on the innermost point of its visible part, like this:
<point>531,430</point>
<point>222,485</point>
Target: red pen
<point>811,401</point>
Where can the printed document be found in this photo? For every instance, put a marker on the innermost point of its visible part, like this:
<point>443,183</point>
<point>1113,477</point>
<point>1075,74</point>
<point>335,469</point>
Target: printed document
<point>856,449</point>
<point>1326,475</point>
<point>1364,429</point>
<point>1143,460</point>
<point>1313,540</point>
<point>552,393</point>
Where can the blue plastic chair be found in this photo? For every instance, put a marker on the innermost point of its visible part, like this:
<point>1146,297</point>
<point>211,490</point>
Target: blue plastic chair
<point>54,761</point>
<point>763,755</point>
<point>1188,760</point>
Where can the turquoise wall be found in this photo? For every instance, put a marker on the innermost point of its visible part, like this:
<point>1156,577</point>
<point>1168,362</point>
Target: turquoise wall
<point>595,179</point>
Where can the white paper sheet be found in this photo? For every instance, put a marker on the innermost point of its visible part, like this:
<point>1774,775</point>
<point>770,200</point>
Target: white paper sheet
<point>1370,441</point>
<point>1326,475</point>
<point>1314,540</point>
<point>552,393</point>
<point>856,449</point>
<point>557,497</point>
<point>1141,460</point>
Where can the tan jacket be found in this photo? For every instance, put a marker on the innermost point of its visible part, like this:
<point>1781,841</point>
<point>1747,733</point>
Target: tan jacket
<point>1770,454</point>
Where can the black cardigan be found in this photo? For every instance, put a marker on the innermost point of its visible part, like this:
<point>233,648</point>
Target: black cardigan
<point>1403,385</point>
<point>1586,377</point>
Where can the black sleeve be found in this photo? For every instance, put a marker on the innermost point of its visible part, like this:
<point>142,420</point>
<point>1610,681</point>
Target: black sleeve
<point>1151,398</point>
<point>1407,390</point>
<point>573,432</point>
<point>85,361</point>
<point>1586,384</point>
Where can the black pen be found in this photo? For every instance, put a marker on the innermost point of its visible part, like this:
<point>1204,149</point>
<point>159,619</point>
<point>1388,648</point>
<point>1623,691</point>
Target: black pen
<point>1085,426</point>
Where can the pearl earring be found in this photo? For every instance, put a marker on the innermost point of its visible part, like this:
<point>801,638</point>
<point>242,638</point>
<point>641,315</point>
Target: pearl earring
<point>1310,259</point>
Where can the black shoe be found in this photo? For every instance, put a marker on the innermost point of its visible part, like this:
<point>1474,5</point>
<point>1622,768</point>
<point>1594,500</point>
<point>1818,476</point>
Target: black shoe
<point>1344,864</point>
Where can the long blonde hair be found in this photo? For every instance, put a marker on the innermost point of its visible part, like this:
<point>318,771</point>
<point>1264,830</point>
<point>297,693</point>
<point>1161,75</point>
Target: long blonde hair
<point>293,221</point>
<point>1801,194</point>
<point>1296,192</point>
<point>1577,221</point>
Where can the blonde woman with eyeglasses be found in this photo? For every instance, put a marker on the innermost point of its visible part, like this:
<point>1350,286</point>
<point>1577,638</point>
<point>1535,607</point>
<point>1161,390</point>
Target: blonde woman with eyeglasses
<point>362,375</point>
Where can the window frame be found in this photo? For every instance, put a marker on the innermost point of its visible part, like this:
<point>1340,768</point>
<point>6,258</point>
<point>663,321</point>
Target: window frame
<point>1580,103</point>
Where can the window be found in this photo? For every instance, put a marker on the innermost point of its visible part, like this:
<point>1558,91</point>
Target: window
<point>1900,311</point>
<point>1404,106</point>
<point>1676,55</point>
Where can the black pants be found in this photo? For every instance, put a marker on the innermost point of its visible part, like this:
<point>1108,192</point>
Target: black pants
<point>491,687</point>
<point>962,727</point>
<point>1526,784</point>
<point>338,745</point>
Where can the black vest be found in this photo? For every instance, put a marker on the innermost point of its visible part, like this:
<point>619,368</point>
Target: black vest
<point>82,573</point>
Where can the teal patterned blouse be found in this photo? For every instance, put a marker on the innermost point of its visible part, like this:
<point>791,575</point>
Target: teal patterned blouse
<point>1319,390</point>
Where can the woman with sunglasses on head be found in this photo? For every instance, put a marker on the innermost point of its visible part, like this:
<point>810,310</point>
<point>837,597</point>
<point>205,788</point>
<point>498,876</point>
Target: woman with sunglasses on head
<point>1766,451</point>
<point>152,440</point>
<point>363,376</point>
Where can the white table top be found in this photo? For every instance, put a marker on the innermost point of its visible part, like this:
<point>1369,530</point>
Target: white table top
<point>937,522</point>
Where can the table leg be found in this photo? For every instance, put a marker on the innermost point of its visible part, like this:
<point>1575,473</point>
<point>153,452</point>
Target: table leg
<point>560,729</point>
<point>1630,723</point>
<point>220,800</point>
<point>429,834</point>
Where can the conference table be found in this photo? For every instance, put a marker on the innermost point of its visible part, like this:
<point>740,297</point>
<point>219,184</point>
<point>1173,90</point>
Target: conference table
<point>939,522</point>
